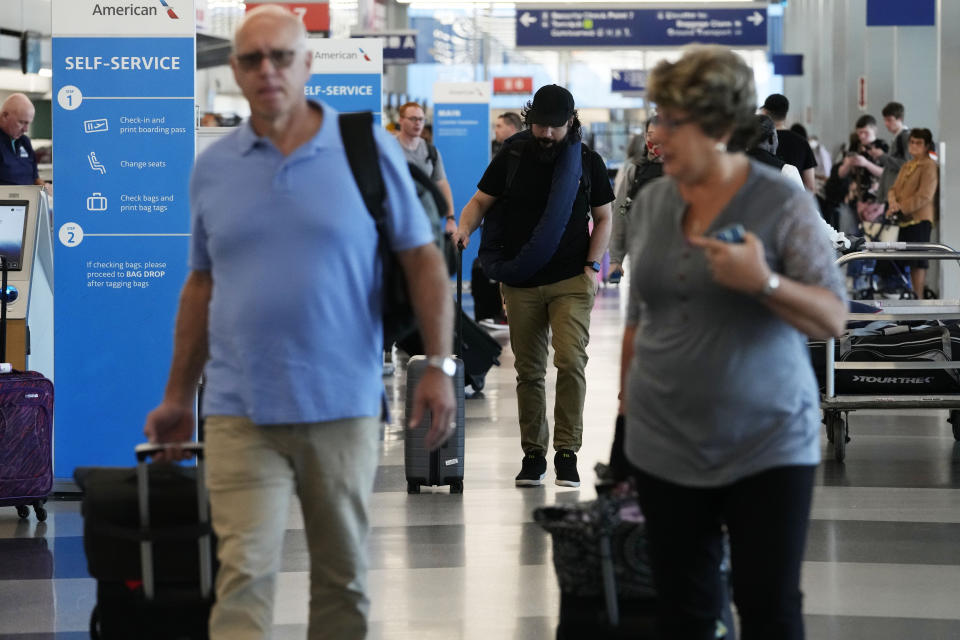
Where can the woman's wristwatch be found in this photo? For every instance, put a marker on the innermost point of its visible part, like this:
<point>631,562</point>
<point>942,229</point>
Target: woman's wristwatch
<point>771,285</point>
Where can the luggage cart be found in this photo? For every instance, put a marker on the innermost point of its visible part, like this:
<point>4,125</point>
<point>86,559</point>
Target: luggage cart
<point>836,408</point>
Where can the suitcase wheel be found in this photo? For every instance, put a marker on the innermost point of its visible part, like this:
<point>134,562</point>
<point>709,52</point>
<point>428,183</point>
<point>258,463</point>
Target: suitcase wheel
<point>477,382</point>
<point>456,486</point>
<point>23,511</point>
<point>413,487</point>
<point>40,511</point>
<point>955,423</point>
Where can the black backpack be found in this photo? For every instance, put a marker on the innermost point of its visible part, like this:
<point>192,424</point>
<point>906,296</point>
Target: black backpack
<point>356,131</point>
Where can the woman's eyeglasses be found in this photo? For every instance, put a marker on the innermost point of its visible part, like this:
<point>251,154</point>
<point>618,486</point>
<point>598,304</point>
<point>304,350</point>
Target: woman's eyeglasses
<point>279,58</point>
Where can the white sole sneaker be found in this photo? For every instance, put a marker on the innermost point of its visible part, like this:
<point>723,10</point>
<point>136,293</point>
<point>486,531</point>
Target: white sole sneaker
<point>566,483</point>
<point>531,483</point>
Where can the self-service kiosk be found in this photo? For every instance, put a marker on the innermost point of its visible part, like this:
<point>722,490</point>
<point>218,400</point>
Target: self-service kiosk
<point>27,244</point>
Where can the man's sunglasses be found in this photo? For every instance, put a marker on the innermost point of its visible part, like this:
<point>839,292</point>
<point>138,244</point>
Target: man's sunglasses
<point>279,58</point>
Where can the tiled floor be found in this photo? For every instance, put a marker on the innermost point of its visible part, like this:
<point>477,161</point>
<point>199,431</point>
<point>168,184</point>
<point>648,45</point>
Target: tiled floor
<point>882,559</point>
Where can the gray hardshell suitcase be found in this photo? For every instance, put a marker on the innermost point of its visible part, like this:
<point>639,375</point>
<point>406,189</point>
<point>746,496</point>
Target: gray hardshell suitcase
<point>445,465</point>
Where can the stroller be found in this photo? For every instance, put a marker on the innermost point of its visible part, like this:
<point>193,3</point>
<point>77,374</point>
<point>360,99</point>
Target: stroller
<point>873,279</point>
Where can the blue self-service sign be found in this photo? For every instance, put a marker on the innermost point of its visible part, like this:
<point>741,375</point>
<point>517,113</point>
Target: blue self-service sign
<point>123,120</point>
<point>461,131</point>
<point>347,74</point>
<point>628,81</point>
<point>622,27</point>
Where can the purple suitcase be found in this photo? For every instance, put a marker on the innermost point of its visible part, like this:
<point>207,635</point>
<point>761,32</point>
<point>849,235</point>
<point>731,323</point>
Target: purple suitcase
<point>26,452</point>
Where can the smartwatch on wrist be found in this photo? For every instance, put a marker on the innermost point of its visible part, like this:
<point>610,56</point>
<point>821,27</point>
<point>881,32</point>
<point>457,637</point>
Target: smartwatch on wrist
<point>593,265</point>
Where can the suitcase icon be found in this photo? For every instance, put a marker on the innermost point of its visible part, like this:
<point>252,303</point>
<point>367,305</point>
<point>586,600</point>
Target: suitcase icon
<point>96,202</point>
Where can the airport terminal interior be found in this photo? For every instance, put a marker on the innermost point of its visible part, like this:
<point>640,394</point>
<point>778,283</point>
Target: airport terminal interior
<point>881,560</point>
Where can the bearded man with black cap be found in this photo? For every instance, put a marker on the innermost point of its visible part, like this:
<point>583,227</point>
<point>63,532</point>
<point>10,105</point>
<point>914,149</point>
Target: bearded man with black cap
<point>535,201</point>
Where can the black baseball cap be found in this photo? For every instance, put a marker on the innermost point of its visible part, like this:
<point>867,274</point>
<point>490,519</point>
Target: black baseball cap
<point>777,105</point>
<point>552,106</point>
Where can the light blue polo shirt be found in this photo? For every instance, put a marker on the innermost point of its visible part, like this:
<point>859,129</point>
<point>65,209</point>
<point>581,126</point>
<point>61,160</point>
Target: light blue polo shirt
<point>295,329</point>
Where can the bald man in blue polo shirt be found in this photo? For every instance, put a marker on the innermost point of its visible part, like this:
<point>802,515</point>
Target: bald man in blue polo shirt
<point>282,312</point>
<point>18,162</point>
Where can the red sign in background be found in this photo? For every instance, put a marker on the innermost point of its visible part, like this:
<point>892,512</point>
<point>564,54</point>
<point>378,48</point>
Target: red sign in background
<point>315,15</point>
<point>523,84</point>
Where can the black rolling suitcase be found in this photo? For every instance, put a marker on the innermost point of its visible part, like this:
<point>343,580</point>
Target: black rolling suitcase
<point>478,350</point>
<point>445,465</point>
<point>487,302</point>
<point>148,541</point>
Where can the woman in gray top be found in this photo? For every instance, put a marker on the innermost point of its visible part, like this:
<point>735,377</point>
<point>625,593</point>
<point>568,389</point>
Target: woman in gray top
<point>721,403</point>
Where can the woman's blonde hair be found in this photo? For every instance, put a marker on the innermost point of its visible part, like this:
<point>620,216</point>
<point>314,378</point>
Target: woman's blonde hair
<point>713,85</point>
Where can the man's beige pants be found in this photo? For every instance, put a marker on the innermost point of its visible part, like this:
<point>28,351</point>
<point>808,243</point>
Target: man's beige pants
<point>564,309</point>
<point>251,472</point>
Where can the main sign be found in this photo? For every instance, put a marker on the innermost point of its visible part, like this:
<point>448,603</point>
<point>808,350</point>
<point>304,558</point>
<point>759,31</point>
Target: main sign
<point>616,27</point>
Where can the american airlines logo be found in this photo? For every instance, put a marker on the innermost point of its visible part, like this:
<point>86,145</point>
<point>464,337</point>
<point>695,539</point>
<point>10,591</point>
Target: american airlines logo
<point>892,380</point>
<point>133,10</point>
<point>341,55</point>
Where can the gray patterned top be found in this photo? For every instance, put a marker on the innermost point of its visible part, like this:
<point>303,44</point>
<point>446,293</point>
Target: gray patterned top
<point>720,387</point>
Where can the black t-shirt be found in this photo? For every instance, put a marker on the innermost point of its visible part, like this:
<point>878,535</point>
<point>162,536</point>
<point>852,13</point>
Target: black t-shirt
<point>527,198</point>
<point>793,149</point>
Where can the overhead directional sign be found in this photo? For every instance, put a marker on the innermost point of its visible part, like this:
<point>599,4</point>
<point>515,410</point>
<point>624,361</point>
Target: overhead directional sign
<point>618,27</point>
<point>787,64</point>
<point>631,81</point>
<point>897,13</point>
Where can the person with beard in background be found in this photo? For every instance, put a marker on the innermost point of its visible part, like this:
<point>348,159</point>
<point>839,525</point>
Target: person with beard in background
<point>535,200</point>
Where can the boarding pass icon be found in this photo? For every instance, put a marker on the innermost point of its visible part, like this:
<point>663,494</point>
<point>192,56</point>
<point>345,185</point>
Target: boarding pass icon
<point>95,126</point>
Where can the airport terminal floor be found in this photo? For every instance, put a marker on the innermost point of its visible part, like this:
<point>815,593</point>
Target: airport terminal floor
<point>882,561</point>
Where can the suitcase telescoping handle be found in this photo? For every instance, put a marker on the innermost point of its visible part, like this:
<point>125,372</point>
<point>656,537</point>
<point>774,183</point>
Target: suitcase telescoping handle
<point>459,345</point>
<point>144,452</point>
<point>3,309</point>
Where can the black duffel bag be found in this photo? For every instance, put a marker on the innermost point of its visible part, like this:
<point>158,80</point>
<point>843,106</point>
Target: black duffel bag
<point>892,343</point>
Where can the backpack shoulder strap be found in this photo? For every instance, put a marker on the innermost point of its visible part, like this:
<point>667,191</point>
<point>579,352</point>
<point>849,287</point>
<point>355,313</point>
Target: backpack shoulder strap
<point>423,181</point>
<point>356,131</point>
<point>432,153</point>
<point>585,170</point>
<point>513,163</point>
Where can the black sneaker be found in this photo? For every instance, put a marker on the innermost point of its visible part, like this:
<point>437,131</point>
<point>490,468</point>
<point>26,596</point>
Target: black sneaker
<point>565,462</point>
<point>533,471</point>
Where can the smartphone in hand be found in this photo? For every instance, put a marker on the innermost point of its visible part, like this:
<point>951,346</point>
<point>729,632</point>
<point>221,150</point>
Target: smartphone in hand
<point>734,233</point>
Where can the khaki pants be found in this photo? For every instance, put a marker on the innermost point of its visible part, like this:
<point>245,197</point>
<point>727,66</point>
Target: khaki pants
<point>563,308</point>
<point>251,472</point>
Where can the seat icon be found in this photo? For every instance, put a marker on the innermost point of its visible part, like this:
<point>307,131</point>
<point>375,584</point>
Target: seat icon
<point>95,164</point>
